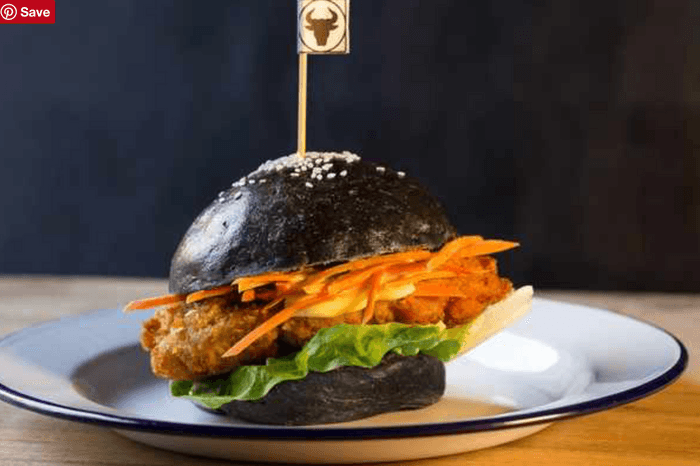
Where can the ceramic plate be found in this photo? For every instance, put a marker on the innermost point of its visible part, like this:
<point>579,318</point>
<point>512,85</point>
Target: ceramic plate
<point>560,361</point>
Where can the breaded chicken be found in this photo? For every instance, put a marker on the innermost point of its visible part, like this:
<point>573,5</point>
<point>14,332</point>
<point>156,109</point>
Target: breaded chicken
<point>186,341</point>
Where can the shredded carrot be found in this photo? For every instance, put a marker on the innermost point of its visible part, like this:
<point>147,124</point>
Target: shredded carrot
<point>204,294</point>
<point>406,269</point>
<point>489,246</point>
<point>150,303</point>
<point>283,287</point>
<point>354,279</point>
<point>316,283</point>
<point>272,323</point>
<point>422,276</point>
<point>468,246</point>
<point>439,290</point>
<point>248,296</point>
<point>374,286</point>
<point>248,283</point>
<point>450,249</point>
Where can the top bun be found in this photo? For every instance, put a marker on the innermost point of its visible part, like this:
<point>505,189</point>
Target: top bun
<point>294,212</point>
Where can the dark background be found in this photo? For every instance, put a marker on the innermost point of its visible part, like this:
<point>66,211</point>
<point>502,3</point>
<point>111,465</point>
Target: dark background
<point>572,126</point>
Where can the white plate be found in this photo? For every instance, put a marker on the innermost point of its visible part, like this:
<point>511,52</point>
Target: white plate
<point>560,361</point>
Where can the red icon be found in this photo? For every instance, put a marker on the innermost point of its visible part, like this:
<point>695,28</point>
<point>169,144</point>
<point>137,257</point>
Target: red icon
<point>28,12</point>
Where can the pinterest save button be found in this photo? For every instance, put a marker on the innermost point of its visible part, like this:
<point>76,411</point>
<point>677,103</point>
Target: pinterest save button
<point>27,12</point>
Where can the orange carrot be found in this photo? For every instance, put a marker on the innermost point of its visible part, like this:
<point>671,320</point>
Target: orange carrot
<point>374,286</point>
<point>283,287</point>
<point>317,282</point>
<point>422,276</point>
<point>248,296</point>
<point>204,294</point>
<point>272,323</point>
<point>467,246</point>
<point>450,249</point>
<point>490,246</point>
<point>439,290</point>
<point>406,269</point>
<point>248,283</point>
<point>150,303</point>
<point>354,279</point>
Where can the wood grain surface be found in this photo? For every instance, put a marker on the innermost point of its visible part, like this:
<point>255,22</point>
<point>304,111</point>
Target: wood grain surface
<point>663,429</point>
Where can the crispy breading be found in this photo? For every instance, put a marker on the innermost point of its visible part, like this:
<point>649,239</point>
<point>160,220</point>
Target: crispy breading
<point>483,288</point>
<point>297,332</point>
<point>186,341</point>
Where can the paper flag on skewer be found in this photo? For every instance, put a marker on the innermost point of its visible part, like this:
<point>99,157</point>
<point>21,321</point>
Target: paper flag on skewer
<point>323,27</point>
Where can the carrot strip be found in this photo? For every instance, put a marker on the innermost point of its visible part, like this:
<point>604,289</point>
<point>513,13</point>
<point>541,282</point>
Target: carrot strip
<point>406,270</point>
<point>374,286</point>
<point>439,290</point>
<point>423,276</point>
<point>283,287</point>
<point>490,246</point>
<point>204,294</point>
<point>248,283</point>
<point>450,249</point>
<point>316,283</point>
<point>150,303</point>
<point>468,246</point>
<point>272,323</point>
<point>354,279</point>
<point>248,296</point>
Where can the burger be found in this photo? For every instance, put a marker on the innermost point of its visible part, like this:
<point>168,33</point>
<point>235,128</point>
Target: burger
<point>324,289</point>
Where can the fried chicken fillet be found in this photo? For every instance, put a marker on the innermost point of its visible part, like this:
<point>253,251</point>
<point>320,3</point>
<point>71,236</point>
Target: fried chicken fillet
<point>187,341</point>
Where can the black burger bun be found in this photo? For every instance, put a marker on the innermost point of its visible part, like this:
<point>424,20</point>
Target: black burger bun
<point>348,393</point>
<point>294,212</point>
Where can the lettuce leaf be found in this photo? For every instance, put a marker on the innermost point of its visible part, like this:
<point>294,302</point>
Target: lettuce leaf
<point>330,348</point>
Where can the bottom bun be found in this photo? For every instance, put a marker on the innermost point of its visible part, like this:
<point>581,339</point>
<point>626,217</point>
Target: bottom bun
<point>348,393</point>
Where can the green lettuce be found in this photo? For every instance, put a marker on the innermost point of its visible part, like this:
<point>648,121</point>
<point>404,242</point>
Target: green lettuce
<point>330,348</point>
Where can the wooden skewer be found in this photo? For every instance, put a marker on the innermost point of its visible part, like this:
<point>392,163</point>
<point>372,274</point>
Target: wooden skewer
<point>303,75</point>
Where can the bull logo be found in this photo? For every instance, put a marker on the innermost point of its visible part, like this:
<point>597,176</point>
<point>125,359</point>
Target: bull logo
<point>322,27</point>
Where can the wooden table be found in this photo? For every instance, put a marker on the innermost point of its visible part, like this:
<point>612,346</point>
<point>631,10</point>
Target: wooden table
<point>663,429</point>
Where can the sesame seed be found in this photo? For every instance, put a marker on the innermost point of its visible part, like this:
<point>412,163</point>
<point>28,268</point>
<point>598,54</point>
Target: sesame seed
<point>263,181</point>
<point>296,163</point>
<point>400,174</point>
<point>238,195</point>
<point>309,185</point>
<point>330,176</point>
<point>295,175</point>
<point>381,169</point>
<point>251,181</point>
<point>344,173</point>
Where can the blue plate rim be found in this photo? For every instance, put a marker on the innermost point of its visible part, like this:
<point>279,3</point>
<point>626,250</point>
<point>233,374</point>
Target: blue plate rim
<point>502,421</point>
